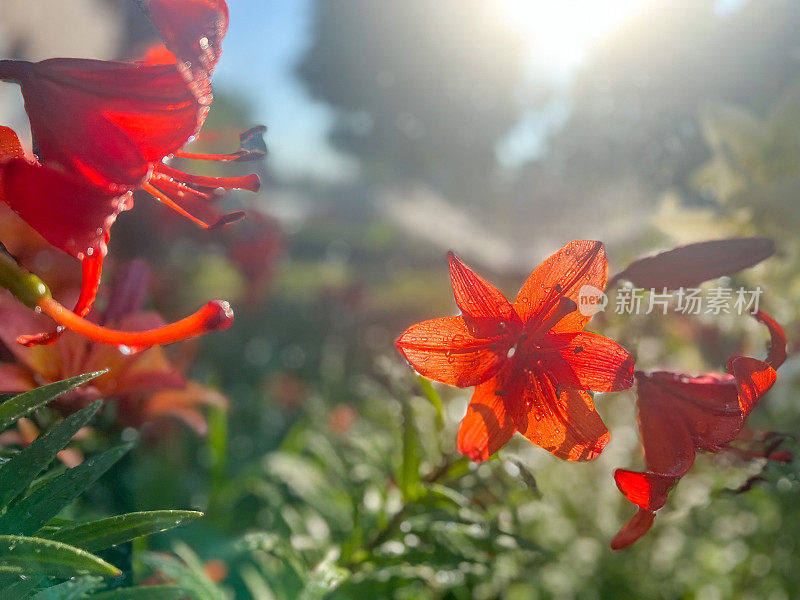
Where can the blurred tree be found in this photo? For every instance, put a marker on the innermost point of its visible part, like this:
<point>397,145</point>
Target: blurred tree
<point>632,130</point>
<point>422,91</point>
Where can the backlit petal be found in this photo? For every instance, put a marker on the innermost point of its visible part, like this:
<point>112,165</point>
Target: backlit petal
<point>484,308</point>
<point>192,30</point>
<point>587,361</point>
<point>577,264</point>
<point>646,490</point>
<point>753,379</point>
<point>444,350</point>
<point>68,213</point>
<point>108,120</point>
<point>566,424</point>
<point>487,425</point>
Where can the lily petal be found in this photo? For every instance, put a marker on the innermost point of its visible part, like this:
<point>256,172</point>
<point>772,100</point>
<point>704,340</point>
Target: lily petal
<point>445,350</point>
<point>487,426</point>
<point>588,361</point>
<point>577,264</point>
<point>679,415</point>
<point>646,490</point>
<point>566,424</point>
<point>71,215</point>
<point>640,524</point>
<point>485,310</point>
<point>192,30</point>
<point>106,120</point>
<point>753,380</point>
<point>777,344</point>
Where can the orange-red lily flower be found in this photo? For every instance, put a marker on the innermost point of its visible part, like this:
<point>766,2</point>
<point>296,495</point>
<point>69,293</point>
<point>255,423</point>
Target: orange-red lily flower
<point>103,129</point>
<point>680,415</point>
<point>531,361</point>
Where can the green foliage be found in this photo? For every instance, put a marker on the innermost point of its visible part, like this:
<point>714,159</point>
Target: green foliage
<point>36,548</point>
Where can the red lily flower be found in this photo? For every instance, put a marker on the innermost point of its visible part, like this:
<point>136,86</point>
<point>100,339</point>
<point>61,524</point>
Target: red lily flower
<point>103,129</point>
<point>680,415</point>
<point>531,361</point>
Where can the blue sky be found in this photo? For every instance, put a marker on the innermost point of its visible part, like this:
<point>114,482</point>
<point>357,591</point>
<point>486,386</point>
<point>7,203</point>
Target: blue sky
<point>265,39</point>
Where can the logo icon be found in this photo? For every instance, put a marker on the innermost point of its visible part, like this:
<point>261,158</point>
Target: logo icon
<point>591,300</point>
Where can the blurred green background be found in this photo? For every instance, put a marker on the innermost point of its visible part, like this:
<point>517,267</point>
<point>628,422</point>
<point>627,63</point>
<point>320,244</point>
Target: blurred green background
<point>500,129</point>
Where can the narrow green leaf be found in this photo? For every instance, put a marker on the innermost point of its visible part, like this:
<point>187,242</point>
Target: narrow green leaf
<point>149,592</point>
<point>409,479</point>
<point>18,473</point>
<point>104,533</point>
<point>434,398</point>
<point>24,404</point>
<point>50,558</point>
<point>69,590</point>
<point>31,513</point>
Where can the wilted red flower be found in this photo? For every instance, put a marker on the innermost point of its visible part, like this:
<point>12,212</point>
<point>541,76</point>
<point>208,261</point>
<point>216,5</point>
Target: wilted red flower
<point>103,129</point>
<point>146,385</point>
<point>680,415</point>
<point>531,361</point>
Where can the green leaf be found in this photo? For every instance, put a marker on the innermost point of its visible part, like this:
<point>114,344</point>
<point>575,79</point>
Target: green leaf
<point>24,404</point>
<point>104,533</point>
<point>50,558</point>
<point>434,398</point>
<point>409,478</point>
<point>18,473</point>
<point>31,513</point>
<point>69,590</point>
<point>149,592</point>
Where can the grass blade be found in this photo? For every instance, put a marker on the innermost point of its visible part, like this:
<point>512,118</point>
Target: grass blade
<point>18,473</point>
<point>24,404</point>
<point>104,533</point>
<point>31,513</point>
<point>50,558</point>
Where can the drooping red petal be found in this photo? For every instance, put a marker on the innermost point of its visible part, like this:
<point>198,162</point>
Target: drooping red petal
<point>192,30</point>
<point>445,350</point>
<point>68,213</point>
<point>777,344</point>
<point>587,361</point>
<point>753,380</point>
<point>646,490</point>
<point>579,263</point>
<point>484,308</point>
<point>679,415</point>
<point>106,120</point>
<point>564,423</point>
<point>488,424</point>
<point>640,524</point>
